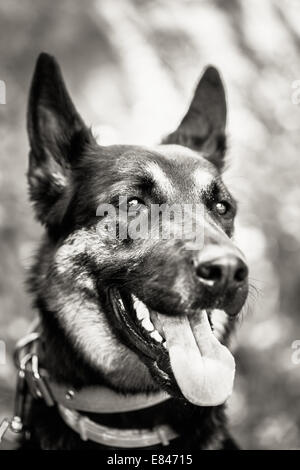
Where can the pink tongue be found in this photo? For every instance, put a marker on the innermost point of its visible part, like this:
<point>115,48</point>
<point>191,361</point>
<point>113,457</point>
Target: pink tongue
<point>204,368</point>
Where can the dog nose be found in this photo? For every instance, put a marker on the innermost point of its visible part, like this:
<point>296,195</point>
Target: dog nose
<point>228,270</point>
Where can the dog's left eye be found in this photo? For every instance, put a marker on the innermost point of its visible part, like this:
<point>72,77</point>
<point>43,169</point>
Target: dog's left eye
<point>222,208</point>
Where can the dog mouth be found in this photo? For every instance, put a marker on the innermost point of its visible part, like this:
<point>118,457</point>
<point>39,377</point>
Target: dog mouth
<point>181,347</point>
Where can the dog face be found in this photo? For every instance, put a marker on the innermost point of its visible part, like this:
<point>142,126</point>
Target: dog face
<point>140,309</point>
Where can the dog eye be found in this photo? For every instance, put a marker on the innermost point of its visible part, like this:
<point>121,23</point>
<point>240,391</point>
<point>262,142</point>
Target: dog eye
<point>135,204</point>
<point>222,207</point>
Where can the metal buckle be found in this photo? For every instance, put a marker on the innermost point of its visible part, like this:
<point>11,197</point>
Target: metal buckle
<point>40,383</point>
<point>28,365</point>
<point>12,430</point>
<point>11,433</point>
<point>5,424</point>
<point>25,344</point>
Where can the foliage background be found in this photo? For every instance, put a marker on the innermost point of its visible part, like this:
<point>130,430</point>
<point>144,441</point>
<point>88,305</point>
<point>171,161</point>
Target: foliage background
<point>131,66</point>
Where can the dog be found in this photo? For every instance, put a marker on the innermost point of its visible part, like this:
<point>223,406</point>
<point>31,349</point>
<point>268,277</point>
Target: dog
<point>133,331</point>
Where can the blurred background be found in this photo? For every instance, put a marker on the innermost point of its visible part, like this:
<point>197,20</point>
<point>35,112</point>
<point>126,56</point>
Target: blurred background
<point>131,67</point>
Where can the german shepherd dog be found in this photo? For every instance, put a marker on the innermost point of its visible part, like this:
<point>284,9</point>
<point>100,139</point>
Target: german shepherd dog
<point>133,317</point>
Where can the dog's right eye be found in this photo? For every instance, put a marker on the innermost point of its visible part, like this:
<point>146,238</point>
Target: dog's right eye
<point>135,204</point>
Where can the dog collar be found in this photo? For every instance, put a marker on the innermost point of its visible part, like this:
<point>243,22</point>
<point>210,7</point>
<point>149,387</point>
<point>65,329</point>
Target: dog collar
<point>93,399</point>
<point>114,437</point>
<point>100,399</point>
<point>104,400</point>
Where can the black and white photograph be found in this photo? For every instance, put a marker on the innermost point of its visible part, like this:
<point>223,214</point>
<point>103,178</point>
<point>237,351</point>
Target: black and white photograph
<point>149,228</point>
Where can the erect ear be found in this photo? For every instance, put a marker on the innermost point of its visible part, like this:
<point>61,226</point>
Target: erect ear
<point>57,138</point>
<point>203,126</point>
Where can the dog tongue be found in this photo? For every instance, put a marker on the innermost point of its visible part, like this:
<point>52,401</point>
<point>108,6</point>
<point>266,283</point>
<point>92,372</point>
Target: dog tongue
<point>203,368</point>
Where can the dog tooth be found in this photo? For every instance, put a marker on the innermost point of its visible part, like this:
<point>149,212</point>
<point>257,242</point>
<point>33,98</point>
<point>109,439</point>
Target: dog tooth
<point>134,299</point>
<point>136,302</point>
<point>140,315</point>
<point>141,310</point>
<point>165,344</point>
<point>155,335</point>
<point>146,323</point>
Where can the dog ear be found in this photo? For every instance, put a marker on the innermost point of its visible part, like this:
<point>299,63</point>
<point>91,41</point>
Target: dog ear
<point>57,137</point>
<point>203,126</point>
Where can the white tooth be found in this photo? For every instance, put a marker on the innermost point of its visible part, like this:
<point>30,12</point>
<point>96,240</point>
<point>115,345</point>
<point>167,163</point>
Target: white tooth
<point>141,310</point>
<point>146,323</point>
<point>155,335</point>
<point>138,311</point>
<point>165,344</point>
<point>219,321</point>
<point>135,300</point>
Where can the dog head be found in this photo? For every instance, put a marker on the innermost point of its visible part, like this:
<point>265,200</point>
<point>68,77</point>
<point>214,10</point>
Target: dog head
<point>140,305</point>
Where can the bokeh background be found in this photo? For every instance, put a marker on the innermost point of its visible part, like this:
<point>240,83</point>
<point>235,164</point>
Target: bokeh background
<point>131,66</point>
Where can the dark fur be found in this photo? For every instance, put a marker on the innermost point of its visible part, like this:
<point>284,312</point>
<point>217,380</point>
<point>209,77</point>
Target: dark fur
<point>69,175</point>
